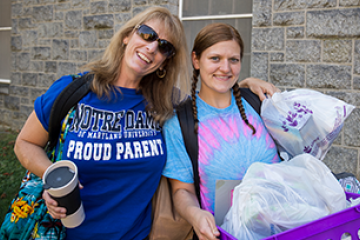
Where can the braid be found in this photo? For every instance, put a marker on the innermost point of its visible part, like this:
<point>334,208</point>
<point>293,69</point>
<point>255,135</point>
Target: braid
<point>236,91</point>
<point>193,91</point>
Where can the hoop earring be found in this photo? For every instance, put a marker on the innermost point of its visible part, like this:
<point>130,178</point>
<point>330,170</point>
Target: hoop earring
<point>161,73</point>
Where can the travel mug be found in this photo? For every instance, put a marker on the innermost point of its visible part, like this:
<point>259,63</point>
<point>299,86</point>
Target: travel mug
<point>61,182</point>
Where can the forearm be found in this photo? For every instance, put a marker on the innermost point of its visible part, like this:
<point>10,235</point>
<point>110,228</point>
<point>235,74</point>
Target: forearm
<point>186,204</point>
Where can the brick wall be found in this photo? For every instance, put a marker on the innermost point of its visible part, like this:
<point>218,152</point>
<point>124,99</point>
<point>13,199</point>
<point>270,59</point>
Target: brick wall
<point>313,44</point>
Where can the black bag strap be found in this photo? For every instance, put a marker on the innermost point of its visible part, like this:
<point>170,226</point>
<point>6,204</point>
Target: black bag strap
<point>187,123</point>
<point>67,99</point>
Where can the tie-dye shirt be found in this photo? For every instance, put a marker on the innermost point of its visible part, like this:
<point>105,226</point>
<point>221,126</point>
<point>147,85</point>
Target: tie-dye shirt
<point>226,147</point>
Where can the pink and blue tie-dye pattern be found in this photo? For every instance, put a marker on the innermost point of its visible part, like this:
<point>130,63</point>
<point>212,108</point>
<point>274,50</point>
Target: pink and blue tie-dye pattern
<point>226,148</point>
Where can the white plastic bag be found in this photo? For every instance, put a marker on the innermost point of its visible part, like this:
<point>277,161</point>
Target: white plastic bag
<point>304,121</point>
<point>275,197</point>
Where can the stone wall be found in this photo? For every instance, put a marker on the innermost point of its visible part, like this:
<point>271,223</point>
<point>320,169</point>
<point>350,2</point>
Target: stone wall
<point>51,38</point>
<point>313,44</point>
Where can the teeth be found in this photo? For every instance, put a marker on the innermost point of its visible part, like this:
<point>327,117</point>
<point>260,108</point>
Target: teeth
<point>222,77</point>
<point>143,57</point>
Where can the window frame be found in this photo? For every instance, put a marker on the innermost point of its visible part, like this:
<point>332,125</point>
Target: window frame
<point>5,81</point>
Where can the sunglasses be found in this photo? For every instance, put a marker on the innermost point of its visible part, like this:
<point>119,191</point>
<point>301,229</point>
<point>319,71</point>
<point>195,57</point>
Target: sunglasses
<point>148,34</point>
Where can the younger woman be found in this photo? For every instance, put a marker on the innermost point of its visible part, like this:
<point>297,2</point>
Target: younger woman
<point>231,135</point>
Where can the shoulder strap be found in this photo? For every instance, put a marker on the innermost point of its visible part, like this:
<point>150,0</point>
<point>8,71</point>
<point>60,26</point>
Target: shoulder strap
<point>251,98</point>
<point>187,123</point>
<point>68,98</point>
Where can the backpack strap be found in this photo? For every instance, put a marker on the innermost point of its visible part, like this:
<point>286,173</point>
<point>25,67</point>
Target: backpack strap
<point>67,99</point>
<point>187,123</point>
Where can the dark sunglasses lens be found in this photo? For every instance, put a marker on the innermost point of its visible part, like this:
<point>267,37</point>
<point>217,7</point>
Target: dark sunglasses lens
<point>166,48</point>
<point>147,33</point>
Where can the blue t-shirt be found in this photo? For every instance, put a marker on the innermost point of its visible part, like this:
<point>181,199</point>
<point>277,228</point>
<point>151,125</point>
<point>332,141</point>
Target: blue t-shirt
<point>226,147</point>
<point>120,153</point>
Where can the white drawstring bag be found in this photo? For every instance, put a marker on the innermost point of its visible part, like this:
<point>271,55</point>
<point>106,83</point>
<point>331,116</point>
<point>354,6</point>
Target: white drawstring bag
<point>273,198</point>
<point>304,121</point>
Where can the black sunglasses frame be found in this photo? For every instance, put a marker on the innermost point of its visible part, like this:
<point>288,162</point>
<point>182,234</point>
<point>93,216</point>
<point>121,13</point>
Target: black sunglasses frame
<point>165,47</point>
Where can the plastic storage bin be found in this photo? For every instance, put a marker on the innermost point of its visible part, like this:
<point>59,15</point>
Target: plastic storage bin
<point>330,227</point>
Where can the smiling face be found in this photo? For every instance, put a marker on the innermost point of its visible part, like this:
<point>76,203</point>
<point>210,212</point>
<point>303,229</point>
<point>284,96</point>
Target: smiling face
<point>219,67</point>
<point>141,57</point>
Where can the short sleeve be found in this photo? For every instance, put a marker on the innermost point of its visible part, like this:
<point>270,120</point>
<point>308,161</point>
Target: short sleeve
<point>178,164</point>
<point>44,103</point>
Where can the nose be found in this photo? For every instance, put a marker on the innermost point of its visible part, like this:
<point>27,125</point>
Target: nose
<point>152,46</point>
<point>225,66</point>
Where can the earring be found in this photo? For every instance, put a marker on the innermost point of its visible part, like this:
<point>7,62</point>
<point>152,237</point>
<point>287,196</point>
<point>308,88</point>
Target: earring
<point>161,73</point>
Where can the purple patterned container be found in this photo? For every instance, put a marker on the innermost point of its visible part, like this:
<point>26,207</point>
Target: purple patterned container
<point>329,227</point>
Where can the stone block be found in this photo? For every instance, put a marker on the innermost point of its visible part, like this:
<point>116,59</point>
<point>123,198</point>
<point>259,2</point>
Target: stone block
<point>59,16</point>
<point>45,42</point>
<point>93,54</point>
<point>338,23</point>
<point>295,32</point>
<point>25,23</point>
<point>268,39</point>
<point>287,75</point>
<point>18,91</point>
<point>15,26</point>
<point>15,78</point>
<point>29,79</point>
<point>98,7</point>
<point>73,19</point>
<point>352,130</point>
<point>43,13</point>
<point>303,50</point>
<point>60,50</point>
<point>88,39</point>
<point>357,57</point>
<point>41,53</point>
<point>321,3</point>
<point>122,17</point>
<point>116,6</point>
<point>99,21</point>
<point>50,67</point>
<point>74,43</point>
<point>16,43</point>
<point>138,9</point>
<point>65,68</point>
<point>71,34</point>
<point>45,80</point>
<point>337,51</point>
<point>104,43</point>
<point>285,5</point>
<point>29,38</point>
<point>81,4</point>
<point>259,65</point>
<point>106,33</point>
<point>36,92</point>
<point>22,61</point>
<point>78,55</point>
<point>12,103</point>
<point>16,10</point>
<point>36,66</point>
<point>356,82</point>
<point>139,2</point>
<point>262,13</point>
<point>349,3</point>
<point>277,57</point>
<point>340,159</point>
<point>328,76</point>
<point>289,18</point>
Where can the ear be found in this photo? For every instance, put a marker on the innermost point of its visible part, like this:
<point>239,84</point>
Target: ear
<point>126,40</point>
<point>195,61</point>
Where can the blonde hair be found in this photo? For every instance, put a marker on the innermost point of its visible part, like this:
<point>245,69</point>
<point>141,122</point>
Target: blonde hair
<point>160,93</point>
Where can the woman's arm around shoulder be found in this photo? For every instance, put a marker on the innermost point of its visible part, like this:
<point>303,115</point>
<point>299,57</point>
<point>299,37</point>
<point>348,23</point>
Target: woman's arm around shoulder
<point>259,87</point>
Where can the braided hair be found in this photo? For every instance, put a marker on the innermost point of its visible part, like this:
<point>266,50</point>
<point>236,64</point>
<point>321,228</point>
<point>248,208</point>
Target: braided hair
<point>207,37</point>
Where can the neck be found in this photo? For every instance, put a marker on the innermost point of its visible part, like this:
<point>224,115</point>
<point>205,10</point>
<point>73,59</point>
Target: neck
<point>217,100</point>
<point>127,79</point>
